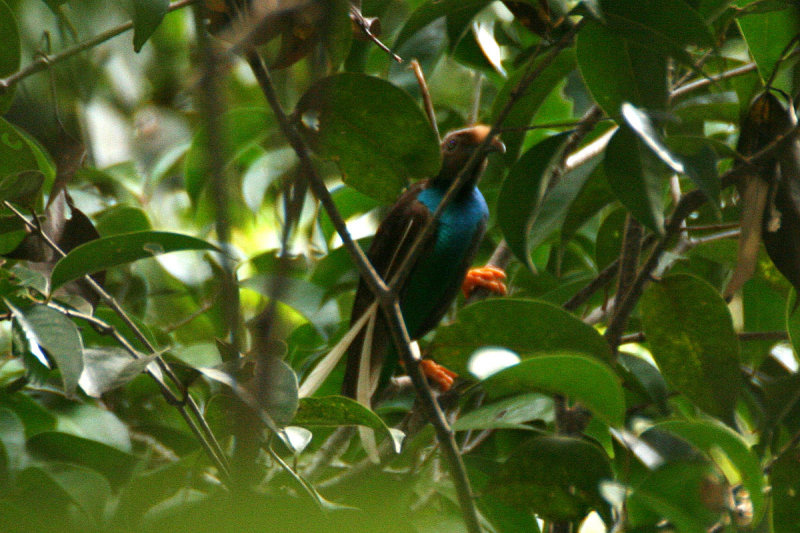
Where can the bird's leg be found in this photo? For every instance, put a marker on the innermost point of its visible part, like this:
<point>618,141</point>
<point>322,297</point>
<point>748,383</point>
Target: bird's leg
<point>442,376</point>
<point>489,277</point>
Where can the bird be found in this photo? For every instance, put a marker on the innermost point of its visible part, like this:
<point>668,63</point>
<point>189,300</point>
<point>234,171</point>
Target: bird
<point>436,276</point>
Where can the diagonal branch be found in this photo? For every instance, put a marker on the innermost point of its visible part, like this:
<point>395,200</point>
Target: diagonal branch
<point>43,61</point>
<point>196,421</point>
<point>387,298</point>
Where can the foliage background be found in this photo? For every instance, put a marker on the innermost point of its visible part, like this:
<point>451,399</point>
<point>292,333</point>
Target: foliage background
<point>689,410</point>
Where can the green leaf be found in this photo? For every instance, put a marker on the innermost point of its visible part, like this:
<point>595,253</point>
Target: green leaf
<point>672,492</point>
<point>558,478</point>
<point>666,26</point>
<point>35,417</point>
<point>691,336</point>
<point>432,10</point>
<point>12,442</point>
<point>511,413</point>
<point>275,401</point>
<point>58,335</point>
<point>114,464</point>
<point>84,487</point>
<point>616,70</point>
<point>106,369</point>
<point>527,327</point>
<point>374,131</point>
<point>342,411</point>
<point>705,178</point>
<point>20,154</point>
<point>767,34</point>
<point>147,16</point>
<point>636,177</point>
<point>122,219</point>
<point>107,252</point>
<point>578,377</point>
<point>784,480</point>
<point>529,102</point>
<point>10,53</point>
<point>609,238</point>
<point>241,130</point>
<point>522,192</point>
<point>711,438</point>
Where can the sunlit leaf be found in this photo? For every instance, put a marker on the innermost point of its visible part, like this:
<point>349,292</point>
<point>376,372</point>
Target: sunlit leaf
<point>50,330</point>
<point>578,377</point>
<point>511,413</point>
<point>106,252</point>
<point>527,327</point>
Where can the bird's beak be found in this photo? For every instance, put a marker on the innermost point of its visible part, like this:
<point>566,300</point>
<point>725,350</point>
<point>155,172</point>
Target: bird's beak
<point>496,146</point>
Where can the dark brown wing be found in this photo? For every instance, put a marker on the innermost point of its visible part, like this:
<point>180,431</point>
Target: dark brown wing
<point>391,244</point>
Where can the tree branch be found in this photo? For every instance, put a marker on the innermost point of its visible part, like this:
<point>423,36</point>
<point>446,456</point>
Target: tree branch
<point>43,61</point>
<point>386,297</point>
<point>197,423</point>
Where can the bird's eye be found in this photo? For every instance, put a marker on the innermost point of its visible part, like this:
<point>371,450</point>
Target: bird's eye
<point>451,145</point>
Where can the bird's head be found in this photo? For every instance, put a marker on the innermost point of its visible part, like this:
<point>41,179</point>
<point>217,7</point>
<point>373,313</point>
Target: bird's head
<point>459,145</point>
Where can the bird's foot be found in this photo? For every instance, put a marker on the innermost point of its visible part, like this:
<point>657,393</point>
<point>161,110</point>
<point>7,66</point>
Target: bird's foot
<point>488,277</point>
<point>438,374</point>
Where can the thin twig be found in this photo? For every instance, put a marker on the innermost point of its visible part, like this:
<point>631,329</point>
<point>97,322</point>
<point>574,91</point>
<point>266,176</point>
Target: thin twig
<point>197,424</point>
<point>212,102</point>
<point>43,61</point>
<point>386,297</point>
<point>358,18</point>
<point>628,264</point>
<point>426,97</point>
<point>744,336</point>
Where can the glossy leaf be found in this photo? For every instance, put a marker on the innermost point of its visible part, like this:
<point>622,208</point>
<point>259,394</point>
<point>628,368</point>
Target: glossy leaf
<point>558,478</point>
<point>511,413</point>
<point>47,329</point>
<point>705,178</point>
<point>10,52</point>
<point>578,377</point>
<point>526,106</point>
<point>711,438</point>
<point>691,337</point>
<point>107,252</point>
<point>527,327</point>
<point>636,177</point>
<point>147,16</point>
<point>353,120</point>
<point>342,411</point>
<point>767,34</point>
<point>107,369</point>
